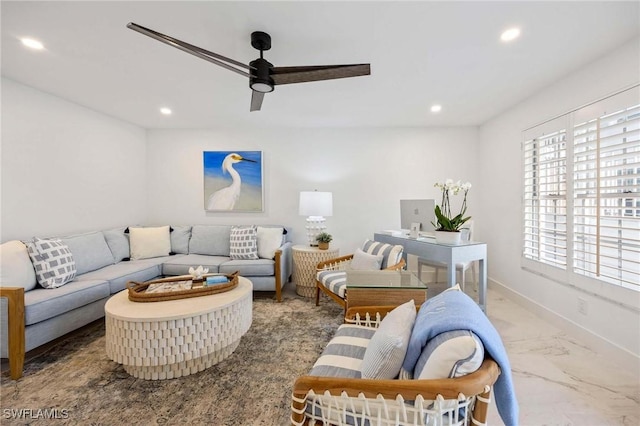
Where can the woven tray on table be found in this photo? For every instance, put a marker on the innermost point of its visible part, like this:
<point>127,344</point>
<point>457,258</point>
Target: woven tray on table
<point>137,290</point>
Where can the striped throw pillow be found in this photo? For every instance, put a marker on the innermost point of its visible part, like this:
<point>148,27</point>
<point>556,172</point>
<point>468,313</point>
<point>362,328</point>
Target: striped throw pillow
<point>391,254</point>
<point>451,354</point>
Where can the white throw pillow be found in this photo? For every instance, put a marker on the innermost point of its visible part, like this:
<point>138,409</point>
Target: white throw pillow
<point>16,269</point>
<point>52,261</point>
<point>269,240</point>
<point>151,242</point>
<point>386,350</point>
<point>451,354</point>
<point>243,243</point>
<point>366,262</point>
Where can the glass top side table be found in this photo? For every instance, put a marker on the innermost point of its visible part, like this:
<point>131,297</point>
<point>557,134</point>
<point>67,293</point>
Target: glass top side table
<point>384,288</point>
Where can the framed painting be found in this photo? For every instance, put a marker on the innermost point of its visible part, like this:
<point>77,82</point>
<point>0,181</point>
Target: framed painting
<point>233,181</point>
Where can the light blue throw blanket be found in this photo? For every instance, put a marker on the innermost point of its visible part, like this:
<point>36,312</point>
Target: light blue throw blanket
<point>454,310</point>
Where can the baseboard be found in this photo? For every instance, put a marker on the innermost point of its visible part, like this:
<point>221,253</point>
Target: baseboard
<point>593,341</point>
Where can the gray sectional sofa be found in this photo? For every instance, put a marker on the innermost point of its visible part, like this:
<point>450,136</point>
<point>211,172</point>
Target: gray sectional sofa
<point>31,315</point>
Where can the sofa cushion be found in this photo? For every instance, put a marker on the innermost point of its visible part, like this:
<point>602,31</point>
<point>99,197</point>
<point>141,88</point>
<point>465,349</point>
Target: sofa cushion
<point>180,236</point>
<point>269,240</point>
<point>249,268</point>
<point>42,304</point>
<point>210,239</point>
<point>365,261</point>
<point>335,281</point>
<point>179,265</point>
<point>90,251</point>
<point>52,261</point>
<point>344,353</point>
<point>146,243</point>
<point>119,274</point>
<point>451,354</point>
<point>385,353</point>
<point>118,242</point>
<point>243,243</point>
<point>16,269</point>
<point>391,254</point>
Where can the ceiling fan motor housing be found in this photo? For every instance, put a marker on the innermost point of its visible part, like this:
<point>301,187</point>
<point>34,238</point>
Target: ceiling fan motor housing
<point>260,79</point>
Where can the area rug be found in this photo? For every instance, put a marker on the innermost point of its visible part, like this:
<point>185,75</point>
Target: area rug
<point>75,383</point>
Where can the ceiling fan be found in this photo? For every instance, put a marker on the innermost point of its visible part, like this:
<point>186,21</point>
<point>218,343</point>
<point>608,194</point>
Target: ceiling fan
<point>263,76</point>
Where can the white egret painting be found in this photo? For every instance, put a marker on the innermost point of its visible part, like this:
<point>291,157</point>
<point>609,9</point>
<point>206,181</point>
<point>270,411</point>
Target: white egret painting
<point>233,181</point>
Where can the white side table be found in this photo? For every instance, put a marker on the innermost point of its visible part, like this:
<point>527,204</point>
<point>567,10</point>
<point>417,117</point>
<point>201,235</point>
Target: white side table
<point>305,261</point>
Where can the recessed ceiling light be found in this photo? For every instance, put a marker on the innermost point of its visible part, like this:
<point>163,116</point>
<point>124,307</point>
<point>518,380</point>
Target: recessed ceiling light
<point>510,34</point>
<point>33,44</point>
<point>165,111</point>
<point>436,108</point>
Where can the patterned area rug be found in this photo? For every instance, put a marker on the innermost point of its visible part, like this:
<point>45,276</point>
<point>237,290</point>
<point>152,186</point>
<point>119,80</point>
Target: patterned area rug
<point>77,383</point>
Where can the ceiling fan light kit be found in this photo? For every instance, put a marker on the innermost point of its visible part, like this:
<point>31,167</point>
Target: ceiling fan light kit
<point>263,76</point>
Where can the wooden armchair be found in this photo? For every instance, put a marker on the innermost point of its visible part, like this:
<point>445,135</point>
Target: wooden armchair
<point>334,286</point>
<point>347,401</point>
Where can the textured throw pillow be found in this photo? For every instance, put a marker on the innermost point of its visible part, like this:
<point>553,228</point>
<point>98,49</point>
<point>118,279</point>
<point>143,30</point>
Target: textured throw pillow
<point>450,354</point>
<point>388,346</point>
<point>151,242</point>
<point>269,240</point>
<point>52,261</point>
<point>16,269</point>
<point>366,262</point>
<point>243,243</point>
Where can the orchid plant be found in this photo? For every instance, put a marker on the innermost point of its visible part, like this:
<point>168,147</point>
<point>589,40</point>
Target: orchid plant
<point>445,221</point>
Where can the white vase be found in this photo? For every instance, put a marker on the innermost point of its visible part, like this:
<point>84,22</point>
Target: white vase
<point>447,237</point>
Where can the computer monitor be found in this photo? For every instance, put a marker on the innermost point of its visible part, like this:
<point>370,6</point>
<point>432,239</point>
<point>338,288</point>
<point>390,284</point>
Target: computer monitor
<point>418,211</point>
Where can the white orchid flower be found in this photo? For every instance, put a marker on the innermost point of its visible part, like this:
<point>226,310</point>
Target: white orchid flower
<point>454,222</point>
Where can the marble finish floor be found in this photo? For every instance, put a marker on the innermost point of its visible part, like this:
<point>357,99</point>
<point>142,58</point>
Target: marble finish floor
<point>558,379</point>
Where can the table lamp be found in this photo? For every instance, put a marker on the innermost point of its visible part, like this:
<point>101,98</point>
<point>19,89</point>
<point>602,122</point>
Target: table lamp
<point>315,205</point>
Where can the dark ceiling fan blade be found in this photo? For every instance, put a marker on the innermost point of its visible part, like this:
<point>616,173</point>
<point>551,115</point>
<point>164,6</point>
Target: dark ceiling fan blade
<point>193,50</point>
<point>289,75</point>
<point>256,100</point>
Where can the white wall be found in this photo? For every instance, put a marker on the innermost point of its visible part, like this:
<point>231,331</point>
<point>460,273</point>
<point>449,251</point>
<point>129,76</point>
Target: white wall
<point>368,171</point>
<point>613,313</point>
<point>66,168</point>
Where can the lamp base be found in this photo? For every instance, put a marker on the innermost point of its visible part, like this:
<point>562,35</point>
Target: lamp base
<point>315,225</point>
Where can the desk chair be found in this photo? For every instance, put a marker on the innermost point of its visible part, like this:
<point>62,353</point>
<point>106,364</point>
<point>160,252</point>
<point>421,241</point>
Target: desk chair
<point>461,268</point>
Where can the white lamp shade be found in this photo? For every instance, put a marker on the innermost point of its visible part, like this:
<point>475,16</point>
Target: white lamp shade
<point>314,203</point>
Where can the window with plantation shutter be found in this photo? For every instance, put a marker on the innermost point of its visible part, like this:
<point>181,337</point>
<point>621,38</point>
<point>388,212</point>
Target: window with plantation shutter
<point>606,216</point>
<point>545,199</point>
<point>581,201</point>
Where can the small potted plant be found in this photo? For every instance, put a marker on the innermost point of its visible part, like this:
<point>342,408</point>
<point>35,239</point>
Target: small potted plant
<point>323,240</point>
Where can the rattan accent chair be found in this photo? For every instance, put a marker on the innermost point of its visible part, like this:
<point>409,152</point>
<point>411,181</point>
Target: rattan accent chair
<point>343,263</point>
<point>348,401</point>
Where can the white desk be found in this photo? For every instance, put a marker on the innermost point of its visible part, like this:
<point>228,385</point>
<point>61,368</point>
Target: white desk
<point>449,254</point>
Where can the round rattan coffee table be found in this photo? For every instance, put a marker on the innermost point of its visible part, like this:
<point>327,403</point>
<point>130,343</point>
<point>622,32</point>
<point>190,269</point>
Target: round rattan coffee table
<point>175,338</point>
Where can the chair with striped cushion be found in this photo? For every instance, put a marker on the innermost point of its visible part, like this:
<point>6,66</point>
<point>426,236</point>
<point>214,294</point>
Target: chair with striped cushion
<point>331,275</point>
<point>335,392</point>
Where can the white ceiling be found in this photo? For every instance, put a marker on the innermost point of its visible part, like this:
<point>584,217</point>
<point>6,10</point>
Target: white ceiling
<point>421,53</point>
